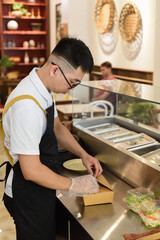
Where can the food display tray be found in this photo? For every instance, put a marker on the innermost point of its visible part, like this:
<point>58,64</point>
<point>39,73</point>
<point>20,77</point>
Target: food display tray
<point>153,157</point>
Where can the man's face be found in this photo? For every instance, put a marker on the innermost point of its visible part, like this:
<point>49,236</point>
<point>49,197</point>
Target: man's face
<point>64,81</point>
<point>105,71</point>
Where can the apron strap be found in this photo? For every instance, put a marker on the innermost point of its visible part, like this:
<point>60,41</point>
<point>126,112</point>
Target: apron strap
<point>21,98</point>
<point>4,163</point>
<point>9,104</point>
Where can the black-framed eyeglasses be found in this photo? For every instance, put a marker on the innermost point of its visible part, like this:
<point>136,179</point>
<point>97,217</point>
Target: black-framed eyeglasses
<point>71,86</point>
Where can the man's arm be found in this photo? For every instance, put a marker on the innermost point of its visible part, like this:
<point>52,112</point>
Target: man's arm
<point>66,140</point>
<point>33,170</point>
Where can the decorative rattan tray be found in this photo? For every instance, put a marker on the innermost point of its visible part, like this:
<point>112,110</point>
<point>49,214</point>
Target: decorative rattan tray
<point>130,22</point>
<point>104,15</point>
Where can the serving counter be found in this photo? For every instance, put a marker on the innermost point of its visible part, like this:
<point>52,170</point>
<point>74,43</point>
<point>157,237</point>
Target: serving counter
<point>106,221</point>
<point>128,146</point>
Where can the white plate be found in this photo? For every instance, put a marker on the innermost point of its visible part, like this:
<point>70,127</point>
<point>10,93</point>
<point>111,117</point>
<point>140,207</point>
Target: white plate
<point>75,165</point>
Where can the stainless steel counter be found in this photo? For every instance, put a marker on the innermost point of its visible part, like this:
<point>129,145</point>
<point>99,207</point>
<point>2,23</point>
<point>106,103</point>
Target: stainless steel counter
<point>107,221</point>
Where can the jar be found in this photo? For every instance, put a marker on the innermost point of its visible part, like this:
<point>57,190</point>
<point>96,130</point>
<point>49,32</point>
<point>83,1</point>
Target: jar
<point>12,25</point>
<point>26,57</point>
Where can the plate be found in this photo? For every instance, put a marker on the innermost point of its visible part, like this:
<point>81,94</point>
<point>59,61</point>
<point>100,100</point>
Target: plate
<point>75,165</point>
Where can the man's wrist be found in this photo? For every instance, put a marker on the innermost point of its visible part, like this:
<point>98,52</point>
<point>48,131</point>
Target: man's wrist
<point>83,154</point>
<point>69,183</point>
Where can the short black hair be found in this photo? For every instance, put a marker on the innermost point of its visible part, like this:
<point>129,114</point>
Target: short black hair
<point>107,65</point>
<point>75,52</point>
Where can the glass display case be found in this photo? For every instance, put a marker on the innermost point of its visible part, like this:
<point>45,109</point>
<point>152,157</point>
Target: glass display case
<point>118,122</point>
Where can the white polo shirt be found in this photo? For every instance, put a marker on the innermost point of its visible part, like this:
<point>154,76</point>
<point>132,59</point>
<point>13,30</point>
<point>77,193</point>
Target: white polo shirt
<point>25,122</point>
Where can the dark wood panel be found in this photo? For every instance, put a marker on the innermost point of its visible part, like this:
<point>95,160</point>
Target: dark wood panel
<point>126,74</point>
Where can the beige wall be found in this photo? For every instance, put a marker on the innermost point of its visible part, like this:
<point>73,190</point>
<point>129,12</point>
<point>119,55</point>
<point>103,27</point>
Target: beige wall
<point>79,14</point>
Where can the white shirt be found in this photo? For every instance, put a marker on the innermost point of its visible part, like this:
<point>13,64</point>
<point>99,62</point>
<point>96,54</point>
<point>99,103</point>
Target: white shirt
<point>25,123</point>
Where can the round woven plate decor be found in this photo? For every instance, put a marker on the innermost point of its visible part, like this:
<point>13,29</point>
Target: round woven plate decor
<point>130,22</point>
<point>104,15</point>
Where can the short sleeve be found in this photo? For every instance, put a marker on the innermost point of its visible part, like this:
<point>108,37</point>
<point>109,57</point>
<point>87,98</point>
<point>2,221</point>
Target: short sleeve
<point>25,132</point>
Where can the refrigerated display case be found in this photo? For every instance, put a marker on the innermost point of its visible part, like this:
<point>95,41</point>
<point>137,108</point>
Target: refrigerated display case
<point>126,140</point>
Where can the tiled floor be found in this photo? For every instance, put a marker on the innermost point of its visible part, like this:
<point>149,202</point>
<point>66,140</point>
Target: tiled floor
<point>7,228</point>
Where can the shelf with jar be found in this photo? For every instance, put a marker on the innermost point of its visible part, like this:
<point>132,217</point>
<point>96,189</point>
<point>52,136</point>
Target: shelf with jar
<point>24,32</point>
<point>24,9</point>
<point>26,3</point>
<point>27,18</point>
<point>11,44</point>
<point>29,64</point>
<point>23,49</point>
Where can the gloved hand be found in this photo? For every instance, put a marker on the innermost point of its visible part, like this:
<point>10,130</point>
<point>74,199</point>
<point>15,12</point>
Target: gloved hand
<point>83,185</point>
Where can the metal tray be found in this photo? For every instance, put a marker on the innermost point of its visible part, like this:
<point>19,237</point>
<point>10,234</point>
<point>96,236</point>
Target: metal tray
<point>134,141</point>
<point>146,149</point>
<point>103,128</point>
<point>119,133</point>
<point>153,157</point>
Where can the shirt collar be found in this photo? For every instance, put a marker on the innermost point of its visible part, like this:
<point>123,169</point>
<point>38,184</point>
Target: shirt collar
<point>40,86</point>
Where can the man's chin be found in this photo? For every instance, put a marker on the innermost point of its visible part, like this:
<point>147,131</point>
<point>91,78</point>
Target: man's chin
<point>63,92</point>
<point>66,91</point>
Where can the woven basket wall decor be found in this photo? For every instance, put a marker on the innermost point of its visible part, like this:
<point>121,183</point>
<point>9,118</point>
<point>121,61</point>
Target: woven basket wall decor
<point>130,22</point>
<point>104,15</point>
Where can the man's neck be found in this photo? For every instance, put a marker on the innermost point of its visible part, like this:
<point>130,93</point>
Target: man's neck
<point>109,77</point>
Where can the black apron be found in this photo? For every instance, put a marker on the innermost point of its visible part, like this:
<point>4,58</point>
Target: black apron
<point>34,205</point>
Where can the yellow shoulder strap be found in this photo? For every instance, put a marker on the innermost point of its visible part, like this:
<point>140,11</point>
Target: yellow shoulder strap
<point>20,98</point>
<point>6,109</point>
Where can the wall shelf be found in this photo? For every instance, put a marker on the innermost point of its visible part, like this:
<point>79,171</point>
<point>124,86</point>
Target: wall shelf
<point>25,4</point>
<point>25,32</point>
<point>22,48</point>
<point>27,18</point>
<point>12,42</point>
<point>26,64</point>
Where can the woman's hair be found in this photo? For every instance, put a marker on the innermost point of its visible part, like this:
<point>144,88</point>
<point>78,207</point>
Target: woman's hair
<point>75,52</point>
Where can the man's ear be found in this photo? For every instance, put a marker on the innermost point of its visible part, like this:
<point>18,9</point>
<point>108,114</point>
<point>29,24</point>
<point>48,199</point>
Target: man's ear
<point>53,70</point>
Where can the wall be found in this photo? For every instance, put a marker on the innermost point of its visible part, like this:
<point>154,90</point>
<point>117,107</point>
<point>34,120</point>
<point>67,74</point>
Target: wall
<point>81,24</point>
<point>156,70</point>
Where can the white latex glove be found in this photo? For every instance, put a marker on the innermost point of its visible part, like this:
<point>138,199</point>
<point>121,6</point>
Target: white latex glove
<point>83,185</point>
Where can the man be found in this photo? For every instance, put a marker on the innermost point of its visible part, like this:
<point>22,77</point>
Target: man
<point>32,129</point>
<point>106,71</point>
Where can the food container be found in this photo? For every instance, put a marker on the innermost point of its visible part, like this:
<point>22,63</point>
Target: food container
<point>153,157</point>
<point>150,213</point>
<point>119,133</point>
<point>134,141</point>
<point>136,196</point>
<point>103,128</point>
<point>105,194</point>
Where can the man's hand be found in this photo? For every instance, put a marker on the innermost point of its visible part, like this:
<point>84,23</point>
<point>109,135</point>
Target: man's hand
<point>92,163</point>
